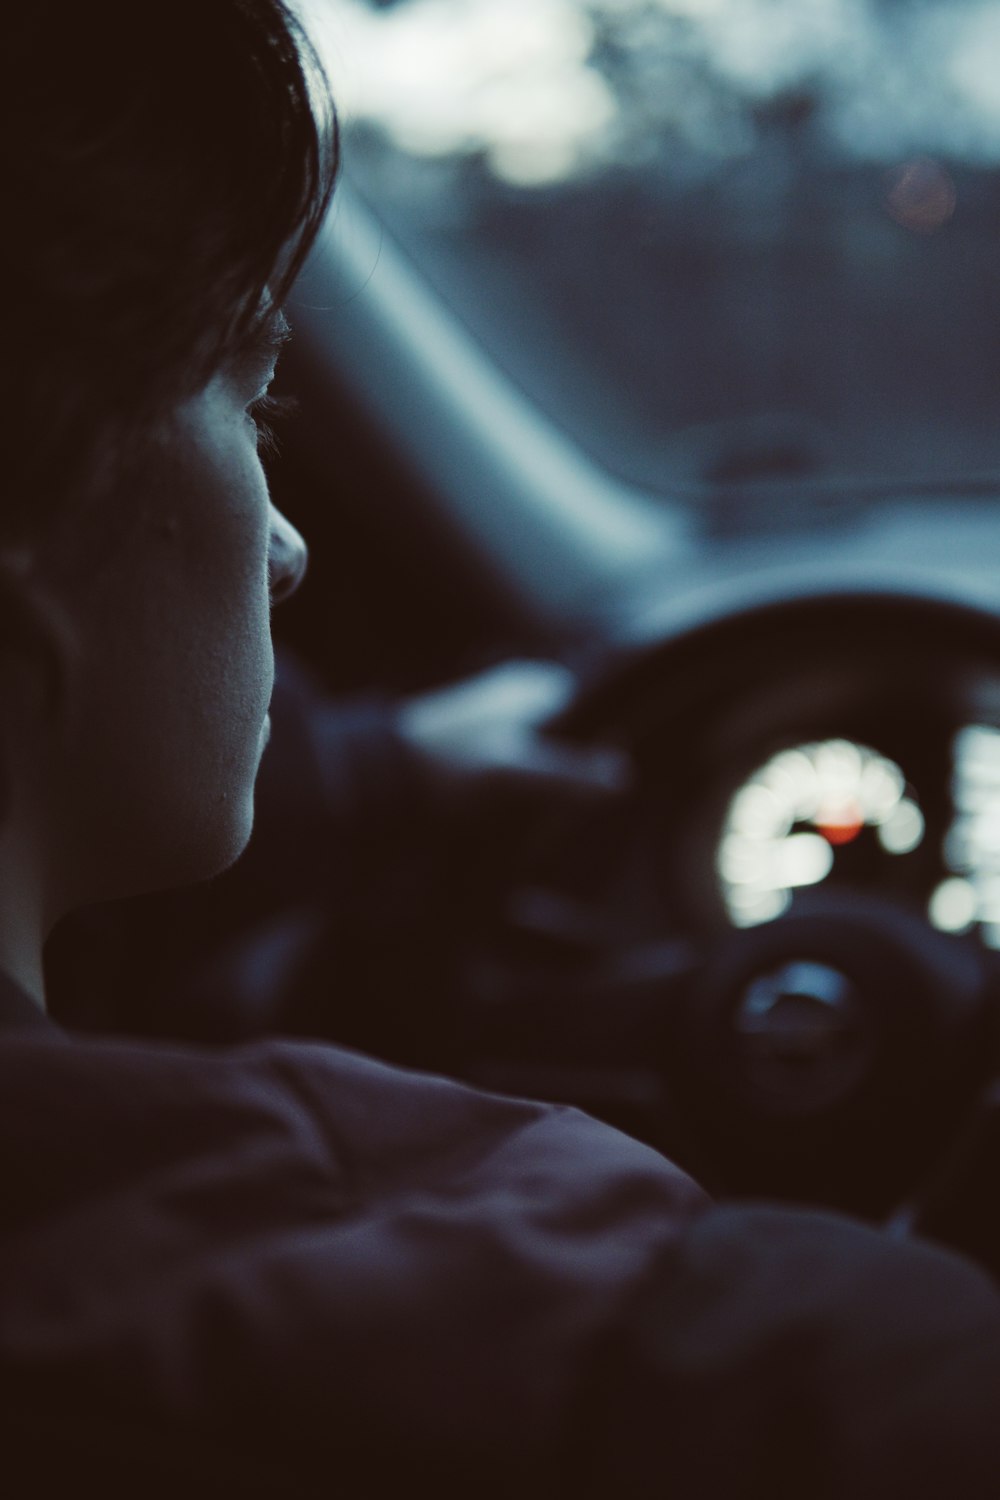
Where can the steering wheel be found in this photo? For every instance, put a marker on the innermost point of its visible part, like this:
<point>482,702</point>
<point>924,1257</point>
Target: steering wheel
<point>792,986</point>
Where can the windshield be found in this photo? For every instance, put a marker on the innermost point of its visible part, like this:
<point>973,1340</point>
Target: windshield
<point>721,242</point>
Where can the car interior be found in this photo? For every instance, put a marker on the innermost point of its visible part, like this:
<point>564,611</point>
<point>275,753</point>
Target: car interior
<point>657,338</point>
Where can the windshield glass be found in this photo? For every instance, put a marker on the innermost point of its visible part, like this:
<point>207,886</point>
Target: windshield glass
<point>721,242</point>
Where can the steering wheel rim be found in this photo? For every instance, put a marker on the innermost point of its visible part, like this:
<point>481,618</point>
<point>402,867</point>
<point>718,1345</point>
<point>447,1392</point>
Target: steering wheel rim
<point>766,618</point>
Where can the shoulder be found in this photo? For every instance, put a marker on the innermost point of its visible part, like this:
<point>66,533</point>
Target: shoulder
<point>283,1237</point>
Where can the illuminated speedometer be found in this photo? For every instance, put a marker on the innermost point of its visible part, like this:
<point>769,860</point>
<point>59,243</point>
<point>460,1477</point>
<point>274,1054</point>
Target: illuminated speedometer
<point>808,810</point>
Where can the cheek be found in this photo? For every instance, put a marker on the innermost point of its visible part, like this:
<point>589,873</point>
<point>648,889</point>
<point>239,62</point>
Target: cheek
<point>227,607</point>
<point>168,692</point>
<point>186,625</point>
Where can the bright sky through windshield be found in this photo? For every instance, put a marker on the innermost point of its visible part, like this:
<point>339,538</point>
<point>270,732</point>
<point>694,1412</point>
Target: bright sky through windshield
<point>721,242</point>
<point>547,89</point>
<point>446,77</point>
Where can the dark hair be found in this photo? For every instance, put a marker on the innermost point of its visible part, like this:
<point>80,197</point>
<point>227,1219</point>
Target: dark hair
<point>167,167</point>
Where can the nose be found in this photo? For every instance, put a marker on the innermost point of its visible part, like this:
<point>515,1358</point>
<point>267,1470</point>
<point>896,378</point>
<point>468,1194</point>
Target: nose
<point>286,558</point>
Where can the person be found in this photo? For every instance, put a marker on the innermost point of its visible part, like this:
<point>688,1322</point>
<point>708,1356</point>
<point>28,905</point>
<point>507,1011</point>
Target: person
<point>283,1268</point>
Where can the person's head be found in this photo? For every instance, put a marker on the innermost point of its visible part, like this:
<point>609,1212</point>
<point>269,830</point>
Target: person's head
<point>166,168</point>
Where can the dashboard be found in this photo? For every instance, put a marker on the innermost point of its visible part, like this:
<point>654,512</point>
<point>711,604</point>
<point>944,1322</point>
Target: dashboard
<point>788,933</point>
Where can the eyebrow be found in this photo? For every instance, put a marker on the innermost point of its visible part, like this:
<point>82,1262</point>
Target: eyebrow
<point>265,340</point>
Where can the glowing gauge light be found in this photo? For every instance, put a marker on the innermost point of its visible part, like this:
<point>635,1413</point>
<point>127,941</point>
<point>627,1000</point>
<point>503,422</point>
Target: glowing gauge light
<point>785,826</point>
<point>969,896</point>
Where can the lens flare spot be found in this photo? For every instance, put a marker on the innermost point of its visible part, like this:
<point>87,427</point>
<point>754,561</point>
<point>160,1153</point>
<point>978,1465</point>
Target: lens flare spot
<point>921,195</point>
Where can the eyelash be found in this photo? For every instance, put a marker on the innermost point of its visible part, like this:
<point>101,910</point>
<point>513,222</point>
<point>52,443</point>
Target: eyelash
<point>262,413</point>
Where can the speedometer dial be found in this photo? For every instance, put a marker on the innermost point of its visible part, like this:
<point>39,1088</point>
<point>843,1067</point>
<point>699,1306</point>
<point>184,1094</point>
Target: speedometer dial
<point>809,811</point>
